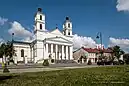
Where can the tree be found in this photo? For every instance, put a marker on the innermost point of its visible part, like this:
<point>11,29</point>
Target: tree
<point>126,58</point>
<point>2,50</point>
<point>7,50</point>
<point>117,52</point>
<point>10,49</point>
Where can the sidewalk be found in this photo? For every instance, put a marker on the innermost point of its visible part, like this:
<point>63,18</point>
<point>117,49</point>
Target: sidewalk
<point>23,66</point>
<point>48,69</point>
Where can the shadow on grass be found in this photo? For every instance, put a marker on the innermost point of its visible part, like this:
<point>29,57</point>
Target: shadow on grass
<point>6,77</point>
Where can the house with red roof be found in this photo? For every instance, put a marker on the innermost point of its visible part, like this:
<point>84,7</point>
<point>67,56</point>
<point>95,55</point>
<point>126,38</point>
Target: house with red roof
<point>90,54</point>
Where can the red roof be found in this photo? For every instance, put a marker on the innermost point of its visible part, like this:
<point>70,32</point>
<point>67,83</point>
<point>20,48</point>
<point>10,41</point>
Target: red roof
<point>95,50</point>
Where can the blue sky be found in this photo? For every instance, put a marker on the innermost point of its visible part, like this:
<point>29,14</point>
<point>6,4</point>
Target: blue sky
<point>88,16</point>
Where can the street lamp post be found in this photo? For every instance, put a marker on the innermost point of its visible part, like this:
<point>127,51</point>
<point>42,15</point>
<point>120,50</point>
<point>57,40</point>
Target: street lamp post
<point>12,45</point>
<point>99,36</point>
<point>12,37</point>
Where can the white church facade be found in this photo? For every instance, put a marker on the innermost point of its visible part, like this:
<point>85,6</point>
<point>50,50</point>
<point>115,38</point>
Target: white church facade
<point>56,45</point>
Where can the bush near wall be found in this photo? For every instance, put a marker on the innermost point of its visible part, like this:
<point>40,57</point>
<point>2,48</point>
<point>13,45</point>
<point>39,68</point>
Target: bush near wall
<point>5,69</point>
<point>52,60</point>
<point>46,63</point>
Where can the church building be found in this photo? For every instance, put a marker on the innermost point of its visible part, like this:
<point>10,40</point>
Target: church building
<point>51,45</point>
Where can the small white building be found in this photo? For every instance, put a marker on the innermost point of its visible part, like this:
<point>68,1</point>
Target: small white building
<point>49,45</point>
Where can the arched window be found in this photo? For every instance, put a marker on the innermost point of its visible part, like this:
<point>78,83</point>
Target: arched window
<point>22,53</point>
<point>69,33</point>
<point>40,17</point>
<point>40,26</point>
<point>68,25</point>
<point>64,33</point>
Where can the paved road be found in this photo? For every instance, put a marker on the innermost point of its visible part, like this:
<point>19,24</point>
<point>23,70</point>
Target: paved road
<point>46,69</point>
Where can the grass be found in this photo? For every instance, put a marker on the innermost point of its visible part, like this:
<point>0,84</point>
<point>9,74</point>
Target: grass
<point>100,76</point>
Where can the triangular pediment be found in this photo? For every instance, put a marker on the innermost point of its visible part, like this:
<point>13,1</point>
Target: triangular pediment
<point>59,39</point>
<point>56,31</point>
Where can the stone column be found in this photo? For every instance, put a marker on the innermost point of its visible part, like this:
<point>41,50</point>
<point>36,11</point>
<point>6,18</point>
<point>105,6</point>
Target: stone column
<point>33,54</point>
<point>26,60</point>
<point>47,48</point>
<point>62,52</point>
<point>15,59</point>
<point>51,48</point>
<point>71,52</point>
<point>66,53</point>
<point>46,54</point>
<point>56,56</point>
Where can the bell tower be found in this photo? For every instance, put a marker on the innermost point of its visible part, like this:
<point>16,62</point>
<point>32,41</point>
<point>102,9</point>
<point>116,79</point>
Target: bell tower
<point>67,27</point>
<point>39,21</point>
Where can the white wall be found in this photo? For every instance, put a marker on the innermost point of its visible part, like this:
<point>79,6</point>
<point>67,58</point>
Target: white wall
<point>91,55</point>
<point>39,51</point>
<point>19,47</point>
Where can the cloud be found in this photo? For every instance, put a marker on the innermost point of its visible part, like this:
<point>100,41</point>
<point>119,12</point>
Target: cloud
<point>1,41</point>
<point>19,31</point>
<point>28,39</point>
<point>79,41</point>
<point>3,20</point>
<point>123,43</point>
<point>122,5</point>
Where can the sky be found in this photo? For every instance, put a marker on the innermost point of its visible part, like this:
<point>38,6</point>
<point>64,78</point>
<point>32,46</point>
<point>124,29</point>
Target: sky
<point>110,17</point>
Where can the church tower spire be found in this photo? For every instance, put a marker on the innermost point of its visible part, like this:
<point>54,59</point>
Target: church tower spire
<point>39,21</point>
<point>67,27</point>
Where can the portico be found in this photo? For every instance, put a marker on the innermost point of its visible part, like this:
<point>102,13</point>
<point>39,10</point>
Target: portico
<point>57,50</point>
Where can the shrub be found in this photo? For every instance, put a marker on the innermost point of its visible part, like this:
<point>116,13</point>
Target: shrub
<point>100,62</point>
<point>52,60</point>
<point>108,62</point>
<point>127,62</point>
<point>121,62</point>
<point>5,70</point>
<point>46,63</point>
<point>89,62</point>
<point>115,63</point>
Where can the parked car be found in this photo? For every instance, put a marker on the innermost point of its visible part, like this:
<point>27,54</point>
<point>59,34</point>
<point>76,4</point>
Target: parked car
<point>115,62</point>
<point>100,62</point>
<point>108,62</point>
<point>121,62</point>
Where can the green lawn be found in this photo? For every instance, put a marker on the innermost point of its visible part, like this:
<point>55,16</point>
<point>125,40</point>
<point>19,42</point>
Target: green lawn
<point>103,76</point>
